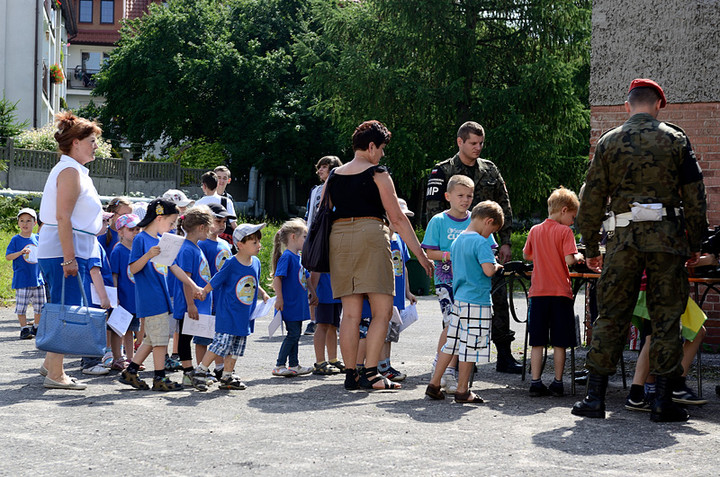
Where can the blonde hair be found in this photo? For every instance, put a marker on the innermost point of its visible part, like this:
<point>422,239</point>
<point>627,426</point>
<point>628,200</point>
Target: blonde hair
<point>71,127</point>
<point>560,198</point>
<point>194,217</point>
<point>292,226</point>
<point>491,209</point>
<point>460,179</point>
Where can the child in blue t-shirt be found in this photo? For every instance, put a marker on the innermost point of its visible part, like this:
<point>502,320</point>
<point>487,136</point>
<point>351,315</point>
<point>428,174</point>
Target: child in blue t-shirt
<point>196,222</point>
<point>442,229</point>
<point>235,289</point>
<point>27,280</point>
<point>290,281</point>
<point>127,229</point>
<point>152,300</point>
<point>116,207</point>
<point>101,277</point>
<point>217,251</point>
<point>469,331</point>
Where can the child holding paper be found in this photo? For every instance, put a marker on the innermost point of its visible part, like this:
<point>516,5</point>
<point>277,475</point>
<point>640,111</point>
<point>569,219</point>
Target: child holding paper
<point>236,288</point>
<point>127,229</point>
<point>196,223</point>
<point>152,299</point>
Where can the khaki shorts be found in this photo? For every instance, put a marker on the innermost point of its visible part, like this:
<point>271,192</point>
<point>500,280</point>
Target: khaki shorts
<point>360,260</point>
<point>157,330</point>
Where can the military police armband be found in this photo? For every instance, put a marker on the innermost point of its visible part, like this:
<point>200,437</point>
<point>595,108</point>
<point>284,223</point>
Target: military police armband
<point>436,185</point>
<point>689,168</point>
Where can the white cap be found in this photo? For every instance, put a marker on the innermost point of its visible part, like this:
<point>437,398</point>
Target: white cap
<point>243,230</point>
<point>29,211</point>
<point>405,209</point>
<point>178,197</point>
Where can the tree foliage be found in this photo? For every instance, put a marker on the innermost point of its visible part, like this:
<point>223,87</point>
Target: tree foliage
<point>220,70</point>
<point>9,124</point>
<point>519,67</point>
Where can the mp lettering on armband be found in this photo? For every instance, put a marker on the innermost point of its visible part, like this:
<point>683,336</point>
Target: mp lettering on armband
<point>436,185</point>
<point>689,169</point>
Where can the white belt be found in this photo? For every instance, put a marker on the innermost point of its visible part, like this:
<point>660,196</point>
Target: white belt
<point>624,219</point>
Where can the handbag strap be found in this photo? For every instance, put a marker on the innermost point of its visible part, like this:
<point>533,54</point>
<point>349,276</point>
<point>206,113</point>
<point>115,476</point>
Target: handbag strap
<point>326,202</point>
<point>82,290</point>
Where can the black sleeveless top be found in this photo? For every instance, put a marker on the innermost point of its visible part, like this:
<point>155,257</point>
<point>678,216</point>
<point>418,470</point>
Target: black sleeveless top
<point>357,195</point>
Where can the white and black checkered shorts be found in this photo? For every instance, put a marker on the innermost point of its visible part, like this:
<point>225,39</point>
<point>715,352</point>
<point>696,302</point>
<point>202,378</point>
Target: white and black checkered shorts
<point>469,332</point>
<point>228,345</point>
<point>27,296</point>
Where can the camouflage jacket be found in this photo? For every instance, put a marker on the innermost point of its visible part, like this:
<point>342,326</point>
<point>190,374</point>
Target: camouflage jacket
<point>644,161</point>
<point>489,185</point>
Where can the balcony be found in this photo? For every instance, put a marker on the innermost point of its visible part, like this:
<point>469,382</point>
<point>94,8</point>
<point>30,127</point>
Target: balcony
<point>77,78</point>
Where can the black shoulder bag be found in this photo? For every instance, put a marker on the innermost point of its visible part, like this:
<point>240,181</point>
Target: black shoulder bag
<point>316,250</point>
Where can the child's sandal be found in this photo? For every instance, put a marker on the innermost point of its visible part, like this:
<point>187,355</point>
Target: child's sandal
<point>337,364</point>
<point>323,369</point>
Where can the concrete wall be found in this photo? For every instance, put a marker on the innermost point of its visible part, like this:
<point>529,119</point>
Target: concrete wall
<point>674,42</point>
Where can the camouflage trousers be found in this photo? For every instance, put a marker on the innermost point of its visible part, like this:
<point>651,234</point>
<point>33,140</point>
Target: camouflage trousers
<point>618,287</point>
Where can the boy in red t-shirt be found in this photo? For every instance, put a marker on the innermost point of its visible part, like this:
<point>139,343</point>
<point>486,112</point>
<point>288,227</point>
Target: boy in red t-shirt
<point>551,246</point>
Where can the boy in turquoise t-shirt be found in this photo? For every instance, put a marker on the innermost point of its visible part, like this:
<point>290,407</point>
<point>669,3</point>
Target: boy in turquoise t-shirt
<point>442,229</point>
<point>470,319</point>
<point>27,281</point>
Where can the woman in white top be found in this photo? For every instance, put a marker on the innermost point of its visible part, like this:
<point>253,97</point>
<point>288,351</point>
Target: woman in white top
<point>72,215</point>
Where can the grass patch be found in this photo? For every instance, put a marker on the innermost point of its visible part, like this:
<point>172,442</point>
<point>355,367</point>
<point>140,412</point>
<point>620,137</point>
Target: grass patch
<point>6,273</point>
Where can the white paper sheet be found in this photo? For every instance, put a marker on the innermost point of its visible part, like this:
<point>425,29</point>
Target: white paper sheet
<point>263,308</point>
<point>409,316</point>
<point>204,326</point>
<point>119,320</point>
<point>169,247</point>
<point>395,318</point>
<point>111,293</point>
<point>275,323</point>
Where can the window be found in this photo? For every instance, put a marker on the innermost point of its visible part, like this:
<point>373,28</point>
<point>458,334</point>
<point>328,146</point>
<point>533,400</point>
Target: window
<point>86,11</point>
<point>107,11</point>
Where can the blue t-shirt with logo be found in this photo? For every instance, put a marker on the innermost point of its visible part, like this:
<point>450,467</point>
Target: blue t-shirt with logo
<point>151,291</point>
<point>439,235</point>
<point>191,260</point>
<point>216,252</point>
<point>294,287</point>
<point>470,250</point>
<point>25,274</point>
<point>235,288</point>
<point>120,265</point>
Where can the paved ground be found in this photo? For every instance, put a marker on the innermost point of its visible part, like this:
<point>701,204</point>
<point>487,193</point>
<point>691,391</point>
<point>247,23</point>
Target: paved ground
<point>291,426</point>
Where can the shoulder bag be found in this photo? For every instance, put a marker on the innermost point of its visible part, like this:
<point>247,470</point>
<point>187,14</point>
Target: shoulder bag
<point>316,250</point>
<point>72,329</point>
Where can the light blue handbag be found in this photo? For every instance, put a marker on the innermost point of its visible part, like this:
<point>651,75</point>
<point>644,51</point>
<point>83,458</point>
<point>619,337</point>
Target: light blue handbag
<point>72,329</point>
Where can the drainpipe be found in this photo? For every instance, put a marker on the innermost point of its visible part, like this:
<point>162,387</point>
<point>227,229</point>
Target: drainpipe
<point>35,66</point>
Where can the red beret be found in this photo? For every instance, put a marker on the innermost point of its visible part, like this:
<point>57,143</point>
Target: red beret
<point>638,82</point>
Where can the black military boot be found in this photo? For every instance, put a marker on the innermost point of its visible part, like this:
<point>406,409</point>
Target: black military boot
<point>594,403</point>
<point>663,408</point>
<point>505,361</point>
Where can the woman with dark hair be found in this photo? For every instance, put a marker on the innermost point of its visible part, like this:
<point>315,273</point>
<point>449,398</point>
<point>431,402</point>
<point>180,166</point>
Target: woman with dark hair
<point>72,215</point>
<point>364,200</point>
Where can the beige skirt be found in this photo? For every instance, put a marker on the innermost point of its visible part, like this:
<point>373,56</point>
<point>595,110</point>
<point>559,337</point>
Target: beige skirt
<point>360,259</point>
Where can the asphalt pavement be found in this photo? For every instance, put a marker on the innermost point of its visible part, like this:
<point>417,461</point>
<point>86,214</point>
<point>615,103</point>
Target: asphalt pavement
<point>311,426</point>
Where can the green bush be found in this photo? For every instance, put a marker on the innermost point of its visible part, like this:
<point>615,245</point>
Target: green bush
<point>9,207</point>
<point>43,139</point>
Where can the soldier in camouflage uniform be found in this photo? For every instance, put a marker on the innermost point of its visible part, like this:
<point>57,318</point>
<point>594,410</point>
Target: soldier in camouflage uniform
<point>646,177</point>
<point>489,185</point>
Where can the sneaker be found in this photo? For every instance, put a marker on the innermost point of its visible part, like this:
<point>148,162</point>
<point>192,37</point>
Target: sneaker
<point>165,384</point>
<point>394,375</point>
<point>119,364</point>
<point>688,396</point>
<point>198,380</point>
<point>556,389</point>
<point>232,382</point>
<point>97,370</point>
<point>299,370</point>
<point>26,333</point>
<point>172,364</point>
<point>107,359</point>
<point>538,389</point>
<point>641,405</point>
<point>132,379</point>
<point>310,329</point>
<point>448,382</point>
<point>281,371</point>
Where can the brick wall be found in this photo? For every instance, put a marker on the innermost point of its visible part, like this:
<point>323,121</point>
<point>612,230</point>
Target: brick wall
<point>701,122</point>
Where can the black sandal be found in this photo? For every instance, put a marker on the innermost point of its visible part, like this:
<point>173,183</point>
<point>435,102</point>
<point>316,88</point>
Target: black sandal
<point>366,383</point>
<point>351,379</point>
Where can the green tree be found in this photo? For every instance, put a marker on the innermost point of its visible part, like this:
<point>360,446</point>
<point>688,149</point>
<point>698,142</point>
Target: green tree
<point>519,67</point>
<point>9,124</point>
<point>220,71</point>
